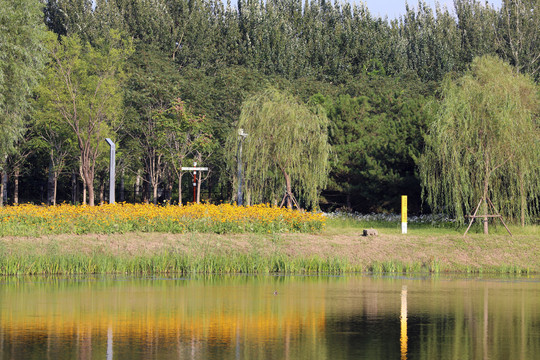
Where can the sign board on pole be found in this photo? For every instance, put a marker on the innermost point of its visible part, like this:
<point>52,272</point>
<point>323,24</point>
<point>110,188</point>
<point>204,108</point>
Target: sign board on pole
<point>404,214</point>
<point>194,169</point>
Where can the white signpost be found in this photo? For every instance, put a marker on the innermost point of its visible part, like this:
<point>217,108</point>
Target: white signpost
<point>194,168</point>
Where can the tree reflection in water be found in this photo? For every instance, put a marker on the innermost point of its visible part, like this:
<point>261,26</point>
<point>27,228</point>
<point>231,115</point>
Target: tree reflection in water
<point>239,317</point>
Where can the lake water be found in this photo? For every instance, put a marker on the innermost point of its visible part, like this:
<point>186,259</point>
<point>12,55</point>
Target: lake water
<point>270,317</point>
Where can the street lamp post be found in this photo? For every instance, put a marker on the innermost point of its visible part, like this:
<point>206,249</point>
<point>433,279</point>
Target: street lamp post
<point>243,136</point>
<point>112,171</point>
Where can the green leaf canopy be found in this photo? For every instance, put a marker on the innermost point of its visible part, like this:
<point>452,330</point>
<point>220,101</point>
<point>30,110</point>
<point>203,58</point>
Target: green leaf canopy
<point>287,146</point>
<point>485,143</point>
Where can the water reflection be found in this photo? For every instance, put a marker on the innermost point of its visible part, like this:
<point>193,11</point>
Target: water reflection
<point>241,318</point>
<point>110,342</point>
<point>403,320</point>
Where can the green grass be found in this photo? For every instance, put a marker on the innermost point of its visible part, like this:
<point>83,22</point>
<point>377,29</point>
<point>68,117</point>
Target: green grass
<point>168,263</point>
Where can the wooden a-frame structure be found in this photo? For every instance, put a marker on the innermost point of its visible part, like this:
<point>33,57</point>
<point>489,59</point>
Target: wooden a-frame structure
<point>496,215</point>
<point>289,195</point>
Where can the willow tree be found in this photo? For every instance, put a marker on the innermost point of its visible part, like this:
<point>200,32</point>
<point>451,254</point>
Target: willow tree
<point>286,146</point>
<point>484,143</point>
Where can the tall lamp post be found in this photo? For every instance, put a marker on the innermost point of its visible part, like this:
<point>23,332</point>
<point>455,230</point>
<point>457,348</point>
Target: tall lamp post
<point>112,170</point>
<point>243,136</point>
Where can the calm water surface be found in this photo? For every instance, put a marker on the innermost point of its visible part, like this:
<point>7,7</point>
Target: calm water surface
<point>270,317</point>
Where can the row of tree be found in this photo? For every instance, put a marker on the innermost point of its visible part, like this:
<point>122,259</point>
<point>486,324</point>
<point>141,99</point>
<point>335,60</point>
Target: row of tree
<point>171,81</point>
<point>330,41</point>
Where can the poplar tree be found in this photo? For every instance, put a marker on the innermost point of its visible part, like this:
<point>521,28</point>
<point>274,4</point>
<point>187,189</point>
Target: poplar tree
<point>287,146</point>
<point>484,143</point>
<point>21,58</point>
<point>518,33</point>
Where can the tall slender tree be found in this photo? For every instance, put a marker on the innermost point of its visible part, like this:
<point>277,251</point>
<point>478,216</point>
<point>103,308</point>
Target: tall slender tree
<point>21,58</point>
<point>83,85</point>
<point>519,35</point>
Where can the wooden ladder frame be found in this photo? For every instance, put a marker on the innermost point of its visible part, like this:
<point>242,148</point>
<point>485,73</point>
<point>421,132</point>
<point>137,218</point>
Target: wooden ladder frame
<point>291,196</point>
<point>474,216</point>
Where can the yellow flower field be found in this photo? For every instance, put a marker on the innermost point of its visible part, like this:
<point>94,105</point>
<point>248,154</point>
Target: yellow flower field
<point>33,220</point>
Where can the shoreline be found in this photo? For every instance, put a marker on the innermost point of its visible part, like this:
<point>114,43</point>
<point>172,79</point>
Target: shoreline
<point>325,252</point>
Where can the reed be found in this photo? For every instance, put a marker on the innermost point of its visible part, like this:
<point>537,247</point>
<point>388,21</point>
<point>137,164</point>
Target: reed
<point>251,263</point>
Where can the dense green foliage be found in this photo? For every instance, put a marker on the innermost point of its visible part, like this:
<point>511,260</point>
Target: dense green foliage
<point>484,143</point>
<point>286,148</point>
<point>82,86</point>
<point>375,78</point>
<point>376,136</point>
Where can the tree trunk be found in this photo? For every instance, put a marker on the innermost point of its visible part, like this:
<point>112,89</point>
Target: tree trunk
<point>154,193</point>
<point>88,175</point>
<point>50,183</point>
<point>102,191</point>
<point>90,194</point>
<point>289,189</point>
<point>5,187</point>
<point>89,180</point>
<point>485,196</point>
<point>137,186</point>
<point>84,184</point>
<point>169,191</point>
<point>74,188</point>
<point>55,187</point>
<point>2,188</point>
<point>122,187</point>
<point>16,174</point>
<point>523,198</point>
<point>146,189</point>
<point>54,174</point>
<point>180,189</point>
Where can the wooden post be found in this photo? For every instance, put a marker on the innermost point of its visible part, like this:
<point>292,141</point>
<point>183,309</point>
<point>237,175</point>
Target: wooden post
<point>472,217</point>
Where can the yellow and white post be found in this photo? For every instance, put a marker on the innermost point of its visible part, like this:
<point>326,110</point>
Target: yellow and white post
<point>404,214</point>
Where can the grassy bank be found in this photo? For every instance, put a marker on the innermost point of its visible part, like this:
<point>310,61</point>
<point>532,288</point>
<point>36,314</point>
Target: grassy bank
<point>337,249</point>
